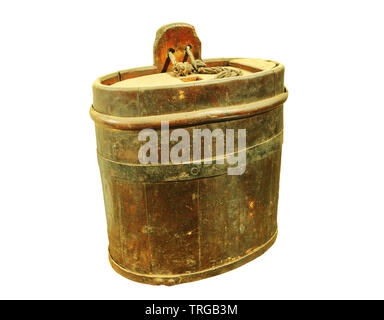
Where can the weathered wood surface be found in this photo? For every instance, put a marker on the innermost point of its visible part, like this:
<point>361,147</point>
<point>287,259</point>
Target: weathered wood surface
<point>169,224</point>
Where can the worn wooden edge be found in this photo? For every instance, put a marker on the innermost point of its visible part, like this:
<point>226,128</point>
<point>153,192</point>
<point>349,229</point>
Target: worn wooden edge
<point>128,102</point>
<point>170,280</point>
<point>108,79</point>
<point>102,83</point>
<point>205,115</point>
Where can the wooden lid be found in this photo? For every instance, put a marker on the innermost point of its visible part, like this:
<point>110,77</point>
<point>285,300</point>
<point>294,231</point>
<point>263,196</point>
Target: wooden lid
<point>155,90</point>
<point>169,78</point>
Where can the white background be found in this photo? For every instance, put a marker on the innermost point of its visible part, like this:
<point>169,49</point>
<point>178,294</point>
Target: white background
<point>53,236</point>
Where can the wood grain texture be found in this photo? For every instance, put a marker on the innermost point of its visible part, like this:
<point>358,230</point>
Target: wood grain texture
<point>169,224</point>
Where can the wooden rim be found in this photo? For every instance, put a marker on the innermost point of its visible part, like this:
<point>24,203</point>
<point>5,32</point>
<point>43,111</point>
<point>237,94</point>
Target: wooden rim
<point>104,82</point>
<point>189,118</point>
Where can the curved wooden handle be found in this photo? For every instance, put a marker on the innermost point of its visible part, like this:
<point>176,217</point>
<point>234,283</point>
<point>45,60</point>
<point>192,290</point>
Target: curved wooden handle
<point>175,36</point>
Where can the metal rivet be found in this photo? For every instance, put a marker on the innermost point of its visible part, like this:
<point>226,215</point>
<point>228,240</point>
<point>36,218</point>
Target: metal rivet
<point>194,171</point>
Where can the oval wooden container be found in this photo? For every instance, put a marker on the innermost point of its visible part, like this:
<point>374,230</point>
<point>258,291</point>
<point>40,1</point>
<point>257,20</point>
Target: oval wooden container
<point>169,224</point>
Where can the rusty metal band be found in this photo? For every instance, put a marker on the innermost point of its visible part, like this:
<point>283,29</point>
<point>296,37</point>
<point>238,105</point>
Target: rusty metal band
<point>189,118</point>
<point>187,171</point>
<point>170,280</point>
